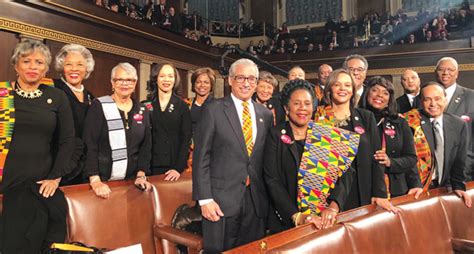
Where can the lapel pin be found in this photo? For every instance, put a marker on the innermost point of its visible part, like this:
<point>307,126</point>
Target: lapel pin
<point>457,100</point>
<point>261,120</point>
<point>283,131</point>
<point>356,118</point>
<point>359,130</point>
<point>49,101</point>
<point>423,122</point>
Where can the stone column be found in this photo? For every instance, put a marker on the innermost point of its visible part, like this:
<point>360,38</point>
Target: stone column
<point>397,85</point>
<point>144,76</point>
<point>219,87</point>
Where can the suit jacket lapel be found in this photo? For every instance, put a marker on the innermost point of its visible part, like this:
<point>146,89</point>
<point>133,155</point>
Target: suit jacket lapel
<point>428,131</point>
<point>233,117</point>
<point>357,122</point>
<point>455,100</point>
<point>447,145</point>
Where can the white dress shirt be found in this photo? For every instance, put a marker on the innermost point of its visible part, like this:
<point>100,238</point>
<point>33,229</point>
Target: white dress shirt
<point>450,92</point>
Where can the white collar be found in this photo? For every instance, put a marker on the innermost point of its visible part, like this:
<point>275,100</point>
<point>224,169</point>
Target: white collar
<point>450,91</point>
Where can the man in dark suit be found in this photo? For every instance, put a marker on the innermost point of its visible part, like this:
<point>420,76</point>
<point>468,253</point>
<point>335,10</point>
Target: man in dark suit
<point>460,102</point>
<point>446,135</point>
<point>228,163</point>
<point>357,66</point>
<point>159,12</point>
<point>411,86</point>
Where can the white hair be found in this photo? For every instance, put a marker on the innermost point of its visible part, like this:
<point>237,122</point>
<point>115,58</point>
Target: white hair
<point>242,61</point>
<point>127,67</point>
<point>448,58</point>
<point>69,48</point>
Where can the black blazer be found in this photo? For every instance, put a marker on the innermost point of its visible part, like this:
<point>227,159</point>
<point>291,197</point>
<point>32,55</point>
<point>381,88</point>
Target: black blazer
<point>79,109</point>
<point>400,148</point>
<point>274,104</point>
<point>281,163</point>
<point>96,138</point>
<point>404,105</point>
<point>370,174</point>
<point>221,163</point>
<point>462,105</point>
<point>455,149</point>
<point>171,132</point>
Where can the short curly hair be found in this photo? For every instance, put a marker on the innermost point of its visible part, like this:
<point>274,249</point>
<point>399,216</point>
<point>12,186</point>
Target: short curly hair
<point>292,86</point>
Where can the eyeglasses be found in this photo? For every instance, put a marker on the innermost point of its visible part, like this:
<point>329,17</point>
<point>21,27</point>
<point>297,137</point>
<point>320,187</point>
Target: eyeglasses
<point>124,81</point>
<point>241,79</point>
<point>354,70</point>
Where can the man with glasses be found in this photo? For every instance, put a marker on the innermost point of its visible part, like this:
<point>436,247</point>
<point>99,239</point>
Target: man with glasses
<point>227,163</point>
<point>358,66</point>
<point>460,102</point>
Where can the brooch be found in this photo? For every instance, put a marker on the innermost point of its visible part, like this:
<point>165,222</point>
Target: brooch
<point>285,138</point>
<point>171,108</point>
<point>138,118</point>
<point>149,106</point>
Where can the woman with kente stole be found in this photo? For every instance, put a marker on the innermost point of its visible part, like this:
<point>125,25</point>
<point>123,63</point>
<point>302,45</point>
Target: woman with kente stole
<point>398,154</point>
<point>117,134</point>
<point>283,154</point>
<point>368,184</point>
<point>37,142</point>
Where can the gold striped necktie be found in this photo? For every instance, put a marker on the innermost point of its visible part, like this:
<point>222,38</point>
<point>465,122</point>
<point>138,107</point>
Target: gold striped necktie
<point>247,127</point>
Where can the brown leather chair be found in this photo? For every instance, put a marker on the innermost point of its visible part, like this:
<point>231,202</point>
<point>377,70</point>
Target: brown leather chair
<point>170,195</point>
<point>458,215</point>
<point>125,218</point>
<point>334,240</point>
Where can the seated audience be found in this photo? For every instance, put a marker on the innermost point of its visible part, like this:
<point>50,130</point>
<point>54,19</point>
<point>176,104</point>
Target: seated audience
<point>117,135</point>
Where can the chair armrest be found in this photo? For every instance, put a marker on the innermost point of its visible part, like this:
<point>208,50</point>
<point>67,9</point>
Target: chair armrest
<point>178,236</point>
<point>462,245</point>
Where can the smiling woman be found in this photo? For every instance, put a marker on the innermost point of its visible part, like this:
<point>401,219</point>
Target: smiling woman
<point>171,121</point>
<point>75,63</point>
<point>35,116</point>
<point>117,135</point>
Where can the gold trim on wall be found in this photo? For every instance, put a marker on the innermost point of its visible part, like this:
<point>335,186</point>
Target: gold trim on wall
<point>49,34</point>
<point>418,69</point>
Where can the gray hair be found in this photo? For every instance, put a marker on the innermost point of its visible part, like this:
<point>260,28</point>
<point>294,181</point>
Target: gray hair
<point>27,47</point>
<point>447,58</point>
<point>242,61</point>
<point>268,77</point>
<point>127,67</point>
<point>355,56</point>
<point>69,48</point>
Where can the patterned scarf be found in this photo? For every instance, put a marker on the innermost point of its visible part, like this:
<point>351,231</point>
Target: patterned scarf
<point>7,122</point>
<point>422,147</point>
<point>328,153</point>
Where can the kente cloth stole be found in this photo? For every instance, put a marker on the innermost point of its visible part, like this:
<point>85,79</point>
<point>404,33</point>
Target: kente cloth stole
<point>7,122</point>
<point>328,153</point>
<point>117,138</point>
<point>318,92</point>
<point>422,148</point>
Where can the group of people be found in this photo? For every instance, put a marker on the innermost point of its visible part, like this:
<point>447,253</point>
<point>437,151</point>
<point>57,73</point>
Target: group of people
<point>247,165</point>
<point>247,148</point>
<point>57,133</point>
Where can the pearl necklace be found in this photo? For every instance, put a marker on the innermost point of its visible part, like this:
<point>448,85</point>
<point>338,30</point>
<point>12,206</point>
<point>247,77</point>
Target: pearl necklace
<point>74,89</point>
<point>27,94</point>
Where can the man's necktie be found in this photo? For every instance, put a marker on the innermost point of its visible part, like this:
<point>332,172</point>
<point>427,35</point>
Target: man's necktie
<point>247,127</point>
<point>439,151</point>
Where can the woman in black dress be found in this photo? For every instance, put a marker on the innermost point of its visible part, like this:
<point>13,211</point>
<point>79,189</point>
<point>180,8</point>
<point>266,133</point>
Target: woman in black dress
<point>398,154</point>
<point>117,135</point>
<point>203,81</point>
<point>283,151</point>
<point>264,95</point>
<point>75,63</point>
<point>171,121</point>
<point>368,179</point>
<point>36,148</point>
